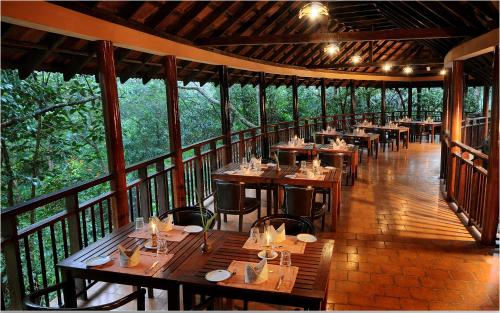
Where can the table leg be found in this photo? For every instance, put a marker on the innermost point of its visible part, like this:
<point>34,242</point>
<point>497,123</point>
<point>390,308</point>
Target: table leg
<point>269,200</point>
<point>369,152</point>
<point>276,198</point>
<point>432,138</point>
<point>407,138</point>
<point>376,148</point>
<point>335,206</point>
<point>398,140</point>
<point>69,289</point>
<point>187,299</point>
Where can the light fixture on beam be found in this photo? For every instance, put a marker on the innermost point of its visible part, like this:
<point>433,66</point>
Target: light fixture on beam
<point>407,70</point>
<point>387,67</point>
<point>332,49</point>
<point>313,10</point>
<point>442,72</point>
<point>428,68</point>
<point>355,59</point>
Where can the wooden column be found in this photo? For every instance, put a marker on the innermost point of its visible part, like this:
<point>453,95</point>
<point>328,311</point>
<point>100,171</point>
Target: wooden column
<point>491,215</point>
<point>113,130</point>
<point>382,104</point>
<point>174,129</point>
<point>263,115</point>
<point>456,117</point>
<point>445,110</point>
<point>353,104</point>
<point>225,112</point>
<point>295,105</point>
<point>419,103</point>
<point>486,95</point>
<point>410,102</point>
<point>323,102</point>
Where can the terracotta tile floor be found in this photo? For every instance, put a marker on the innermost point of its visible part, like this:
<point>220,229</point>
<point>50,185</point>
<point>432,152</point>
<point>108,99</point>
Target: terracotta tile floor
<point>398,245</point>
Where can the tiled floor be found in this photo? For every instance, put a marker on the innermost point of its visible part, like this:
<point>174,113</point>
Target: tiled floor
<point>398,245</point>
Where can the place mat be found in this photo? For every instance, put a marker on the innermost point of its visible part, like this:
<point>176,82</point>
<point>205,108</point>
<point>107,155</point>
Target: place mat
<point>240,172</point>
<point>290,244</point>
<point>301,176</point>
<point>176,234</point>
<point>147,259</point>
<point>238,279</point>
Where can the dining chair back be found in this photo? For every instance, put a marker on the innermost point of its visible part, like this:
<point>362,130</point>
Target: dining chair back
<point>294,225</point>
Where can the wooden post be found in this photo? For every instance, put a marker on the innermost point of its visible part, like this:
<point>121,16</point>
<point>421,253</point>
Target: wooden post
<point>198,172</point>
<point>353,104</point>
<point>486,95</point>
<point>75,235</point>
<point>323,103</point>
<point>263,115</point>
<point>456,118</point>
<point>225,112</point>
<point>113,129</point>
<point>446,104</point>
<point>410,102</point>
<point>382,104</point>
<point>144,193</point>
<point>12,268</point>
<point>295,105</point>
<point>161,188</point>
<point>174,130</point>
<point>491,209</point>
<point>419,104</point>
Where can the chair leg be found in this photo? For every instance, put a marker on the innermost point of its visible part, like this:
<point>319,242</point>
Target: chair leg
<point>225,218</point>
<point>151,294</point>
<point>323,223</point>
<point>240,223</point>
<point>219,222</point>
<point>141,301</point>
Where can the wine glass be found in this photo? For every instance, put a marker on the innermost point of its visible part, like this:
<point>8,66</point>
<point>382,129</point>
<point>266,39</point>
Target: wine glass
<point>286,265</point>
<point>161,246</point>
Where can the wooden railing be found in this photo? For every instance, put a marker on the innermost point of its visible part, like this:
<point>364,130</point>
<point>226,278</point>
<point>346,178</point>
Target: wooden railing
<point>473,131</point>
<point>465,174</point>
<point>30,252</point>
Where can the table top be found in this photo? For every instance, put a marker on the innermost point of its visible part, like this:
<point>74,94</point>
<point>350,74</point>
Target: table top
<point>419,122</point>
<point>385,127</point>
<point>313,147</point>
<point>364,136</point>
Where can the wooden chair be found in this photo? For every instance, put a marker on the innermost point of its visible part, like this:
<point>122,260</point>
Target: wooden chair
<point>189,215</point>
<point>386,138</point>
<point>422,131</point>
<point>230,199</point>
<point>32,302</point>
<point>287,157</point>
<point>300,201</point>
<point>294,225</point>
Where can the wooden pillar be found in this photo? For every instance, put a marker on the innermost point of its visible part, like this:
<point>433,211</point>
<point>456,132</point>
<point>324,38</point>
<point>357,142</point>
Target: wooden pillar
<point>113,130</point>
<point>225,112</point>
<point>457,100</point>
<point>486,95</point>
<point>446,104</point>
<point>323,102</point>
<point>174,129</point>
<point>263,115</point>
<point>419,103</point>
<point>295,105</point>
<point>491,215</point>
<point>353,104</point>
<point>382,104</point>
<point>410,102</point>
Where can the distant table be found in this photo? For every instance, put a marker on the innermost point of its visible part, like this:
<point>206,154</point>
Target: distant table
<point>433,126</point>
<point>369,138</point>
<point>396,130</point>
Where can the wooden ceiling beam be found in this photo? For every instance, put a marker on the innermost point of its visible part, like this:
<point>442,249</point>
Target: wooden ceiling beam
<point>187,17</point>
<point>156,19</point>
<point>131,70</point>
<point>240,12</point>
<point>33,59</point>
<point>212,17</point>
<point>395,34</point>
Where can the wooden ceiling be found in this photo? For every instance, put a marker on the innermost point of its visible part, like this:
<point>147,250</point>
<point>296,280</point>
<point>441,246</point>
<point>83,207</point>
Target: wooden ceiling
<point>271,25</point>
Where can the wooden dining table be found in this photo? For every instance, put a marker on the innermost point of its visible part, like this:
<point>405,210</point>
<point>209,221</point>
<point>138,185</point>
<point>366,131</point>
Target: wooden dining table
<point>274,178</point>
<point>188,266</point>
<point>432,125</point>
<point>397,130</point>
<point>369,138</point>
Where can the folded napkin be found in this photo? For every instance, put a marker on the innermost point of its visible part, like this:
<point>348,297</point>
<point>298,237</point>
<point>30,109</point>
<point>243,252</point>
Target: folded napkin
<point>129,258</point>
<point>290,176</point>
<point>277,235</point>
<point>167,225</point>
<point>256,274</point>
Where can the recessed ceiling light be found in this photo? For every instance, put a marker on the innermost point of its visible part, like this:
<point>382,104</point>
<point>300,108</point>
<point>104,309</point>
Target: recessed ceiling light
<point>387,67</point>
<point>428,68</point>
<point>313,10</point>
<point>442,72</point>
<point>332,49</point>
<point>355,59</point>
<point>407,70</point>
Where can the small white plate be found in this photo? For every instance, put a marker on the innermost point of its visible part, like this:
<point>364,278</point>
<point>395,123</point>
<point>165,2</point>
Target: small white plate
<point>97,261</point>
<point>218,275</point>
<point>193,229</point>
<point>306,238</point>
<point>148,245</point>
<point>262,255</point>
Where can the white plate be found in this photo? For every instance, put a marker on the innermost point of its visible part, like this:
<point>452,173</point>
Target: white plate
<point>193,229</point>
<point>306,238</point>
<point>217,275</point>
<point>97,261</point>
<point>262,255</point>
<point>148,245</point>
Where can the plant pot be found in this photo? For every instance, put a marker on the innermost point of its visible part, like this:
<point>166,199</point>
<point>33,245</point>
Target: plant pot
<point>205,246</point>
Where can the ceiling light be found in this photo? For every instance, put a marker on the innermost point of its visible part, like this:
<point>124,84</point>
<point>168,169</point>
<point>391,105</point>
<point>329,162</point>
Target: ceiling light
<point>332,49</point>
<point>313,10</point>
<point>407,70</point>
<point>355,59</point>
<point>428,68</point>
<point>387,67</point>
<point>442,72</point>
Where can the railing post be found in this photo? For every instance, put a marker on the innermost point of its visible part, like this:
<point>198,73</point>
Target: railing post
<point>410,102</point>
<point>75,233</point>
<point>254,141</point>
<point>491,212</point>
<point>213,155</point>
<point>200,187</point>
<point>263,116</point>
<point>113,129</point>
<point>353,104</point>
<point>295,105</point>
<point>174,129</point>
<point>486,95</point>
<point>306,129</point>
<point>323,103</point>
<point>145,208</point>
<point>242,148</point>
<point>13,268</point>
<point>161,188</point>
<point>382,104</point>
<point>225,111</point>
<point>419,104</point>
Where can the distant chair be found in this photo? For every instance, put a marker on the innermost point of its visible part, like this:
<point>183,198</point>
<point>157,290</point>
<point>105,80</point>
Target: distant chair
<point>230,199</point>
<point>189,215</point>
<point>386,138</point>
<point>300,201</point>
<point>422,131</point>
<point>294,225</point>
<point>32,302</point>
<point>287,157</point>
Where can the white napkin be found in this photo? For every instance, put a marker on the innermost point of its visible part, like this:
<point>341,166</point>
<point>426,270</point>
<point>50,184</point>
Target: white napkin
<point>129,258</point>
<point>256,274</point>
<point>164,226</point>
<point>278,235</point>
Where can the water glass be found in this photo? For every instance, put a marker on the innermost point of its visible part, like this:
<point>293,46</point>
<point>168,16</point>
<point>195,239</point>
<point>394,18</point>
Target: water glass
<point>161,247</point>
<point>139,223</point>
<point>255,234</point>
<point>286,265</point>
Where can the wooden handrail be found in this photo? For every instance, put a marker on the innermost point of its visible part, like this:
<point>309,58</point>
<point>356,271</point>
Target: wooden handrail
<point>471,150</point>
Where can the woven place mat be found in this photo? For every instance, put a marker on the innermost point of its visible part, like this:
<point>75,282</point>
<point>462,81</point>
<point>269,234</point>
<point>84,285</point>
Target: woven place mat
<point>291,244</point>
<point>176,234</point>
<point>146,260</point>
<point>240,172</point>
<point>301,176</point>
<point>238,279</point>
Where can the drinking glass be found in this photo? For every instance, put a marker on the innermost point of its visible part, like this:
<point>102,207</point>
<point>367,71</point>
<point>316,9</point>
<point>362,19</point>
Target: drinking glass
<point>303,166</point>
<point>162,247</point>
<point>139,223</point>
<point>286,266</point>
<point>255,234</point>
